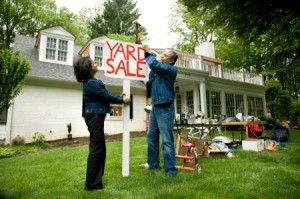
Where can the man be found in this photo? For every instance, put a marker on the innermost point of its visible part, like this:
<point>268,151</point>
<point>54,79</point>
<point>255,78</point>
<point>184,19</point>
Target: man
<point>160,88</point>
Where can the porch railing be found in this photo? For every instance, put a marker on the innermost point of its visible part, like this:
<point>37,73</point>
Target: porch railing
<point>225,73</point>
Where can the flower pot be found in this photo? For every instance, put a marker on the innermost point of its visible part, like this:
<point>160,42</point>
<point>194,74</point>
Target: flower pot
<point>69,136</point>
<point>199,120</point>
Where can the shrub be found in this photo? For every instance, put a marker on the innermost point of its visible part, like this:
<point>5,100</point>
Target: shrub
<point>270,122</point>
<point>39,140</point>
<point>18,140</point>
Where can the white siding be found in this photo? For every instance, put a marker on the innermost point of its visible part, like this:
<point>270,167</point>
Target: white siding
<point>47,110</point>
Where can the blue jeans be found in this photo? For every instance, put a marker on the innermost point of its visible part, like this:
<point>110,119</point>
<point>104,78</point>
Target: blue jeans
<point>161,123</point>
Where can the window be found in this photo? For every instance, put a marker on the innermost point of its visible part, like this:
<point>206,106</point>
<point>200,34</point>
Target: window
<point>178,103</point>
<point>116,110</point>
<point>213,103</point>
<point>229,98</point>
<point>98,56</point>
<point>251,106</point>
<point>234,104</point>
<point>62,50</point>
<point>239,104</point>
<point>190,102</point>
<point>51,48</point>
<point>259,107</point>
<point>255,106</point>
<point>56,49</point>
<point>3,117</point>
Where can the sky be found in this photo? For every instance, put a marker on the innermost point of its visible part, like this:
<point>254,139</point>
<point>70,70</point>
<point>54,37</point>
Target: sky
<point>154,16</point>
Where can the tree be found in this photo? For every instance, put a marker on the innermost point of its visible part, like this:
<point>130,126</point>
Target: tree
<point>13,68</point>
<point>278,100</point>
<point>258,35</point>
<point>118,17</point>
<point>190,28</point>
<point>28,17</point>
<point>69,21</point>
<point>250,19</point>
<point>22,17</point>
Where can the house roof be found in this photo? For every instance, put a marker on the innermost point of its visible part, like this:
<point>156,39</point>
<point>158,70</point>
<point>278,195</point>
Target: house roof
<point>26,45</point>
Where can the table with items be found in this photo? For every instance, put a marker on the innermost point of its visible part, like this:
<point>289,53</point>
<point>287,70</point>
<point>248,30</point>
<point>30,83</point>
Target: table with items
<point>242,124</point>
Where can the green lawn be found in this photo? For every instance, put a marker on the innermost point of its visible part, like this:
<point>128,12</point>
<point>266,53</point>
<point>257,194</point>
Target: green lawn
<point>60,173</point>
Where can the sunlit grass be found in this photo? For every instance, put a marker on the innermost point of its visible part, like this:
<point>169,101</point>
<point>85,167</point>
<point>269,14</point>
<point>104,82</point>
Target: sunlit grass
<point>60,173</point>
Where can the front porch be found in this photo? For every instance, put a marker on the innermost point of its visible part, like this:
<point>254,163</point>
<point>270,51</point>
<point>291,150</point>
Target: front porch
<point>199,91</point>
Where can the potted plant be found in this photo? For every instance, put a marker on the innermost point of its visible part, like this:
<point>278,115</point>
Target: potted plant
<point>69,127</point>
<point>199,117</point>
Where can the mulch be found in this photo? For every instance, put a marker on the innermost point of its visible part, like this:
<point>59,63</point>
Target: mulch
<point>80,141</point>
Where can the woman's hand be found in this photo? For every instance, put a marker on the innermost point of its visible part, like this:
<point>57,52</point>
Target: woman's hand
<point>126,100</point>
<point>122,95</point>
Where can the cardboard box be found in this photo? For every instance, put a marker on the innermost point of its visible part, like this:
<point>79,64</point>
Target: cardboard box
<point>253,145</point>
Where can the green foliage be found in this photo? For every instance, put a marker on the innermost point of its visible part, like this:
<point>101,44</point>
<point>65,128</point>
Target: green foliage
<point>278,100</point>
<point>71,22</point>
<point>247,175</point>
<point>23,17</point>
<point>122,37</point>
<point>10,151</point>
<point>190,28</point>
<point>13,68</point>
<point>251,19</point>
<point>118,17</point>
<point>39,140</point>
<point>295,113</point>
<point>28,17</point>
<point>260,36</point>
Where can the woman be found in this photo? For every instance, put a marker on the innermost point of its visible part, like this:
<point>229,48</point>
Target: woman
<point>96,104</point>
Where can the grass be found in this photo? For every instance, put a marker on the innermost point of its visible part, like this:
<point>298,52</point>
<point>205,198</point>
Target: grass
<point>60,173</point>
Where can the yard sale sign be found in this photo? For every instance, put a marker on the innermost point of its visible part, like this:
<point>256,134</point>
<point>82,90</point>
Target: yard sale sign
<point>125,60</point>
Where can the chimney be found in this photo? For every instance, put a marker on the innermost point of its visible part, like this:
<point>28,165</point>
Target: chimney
<point>206,49</point>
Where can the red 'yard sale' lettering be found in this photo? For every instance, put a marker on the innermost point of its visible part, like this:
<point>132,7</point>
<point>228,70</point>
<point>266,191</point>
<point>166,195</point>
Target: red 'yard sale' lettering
<point>125,60</point>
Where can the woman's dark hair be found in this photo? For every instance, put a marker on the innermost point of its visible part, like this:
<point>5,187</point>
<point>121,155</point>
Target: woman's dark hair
<point>82,69</point>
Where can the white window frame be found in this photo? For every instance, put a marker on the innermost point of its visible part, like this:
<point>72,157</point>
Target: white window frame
<point>56,49</point>
<point>101,65</point>
<point>114,108</point>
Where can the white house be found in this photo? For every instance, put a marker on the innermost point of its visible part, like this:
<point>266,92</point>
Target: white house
<point>51,97</point>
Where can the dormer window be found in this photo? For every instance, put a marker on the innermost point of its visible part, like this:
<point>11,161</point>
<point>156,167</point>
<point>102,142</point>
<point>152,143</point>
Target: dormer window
<point>98,59</point>
<point>55,45</point>
<point>94,48</point>
<point>56,49</point>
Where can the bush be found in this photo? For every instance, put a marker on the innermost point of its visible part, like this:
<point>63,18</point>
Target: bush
<point>18,140</point>
<point>270,123</point>
<point>39,140</point>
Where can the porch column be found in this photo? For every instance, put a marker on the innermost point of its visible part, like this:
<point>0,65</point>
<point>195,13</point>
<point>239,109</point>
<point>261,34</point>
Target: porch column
<point>264,105</point>
<point>203,97</point>
<point>223,103</point>
<point>196,100</point>
<point>245,105</point>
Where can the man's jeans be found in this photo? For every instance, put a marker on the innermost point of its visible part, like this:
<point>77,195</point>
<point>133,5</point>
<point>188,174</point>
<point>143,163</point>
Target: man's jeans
<point>161,123</point>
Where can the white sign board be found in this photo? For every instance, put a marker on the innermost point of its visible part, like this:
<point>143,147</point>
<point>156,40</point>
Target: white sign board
<point>125,60</point>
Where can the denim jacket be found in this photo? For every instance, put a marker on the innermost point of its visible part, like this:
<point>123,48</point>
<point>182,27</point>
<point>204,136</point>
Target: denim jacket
<point>160,86</point>
<point>97,98</point>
